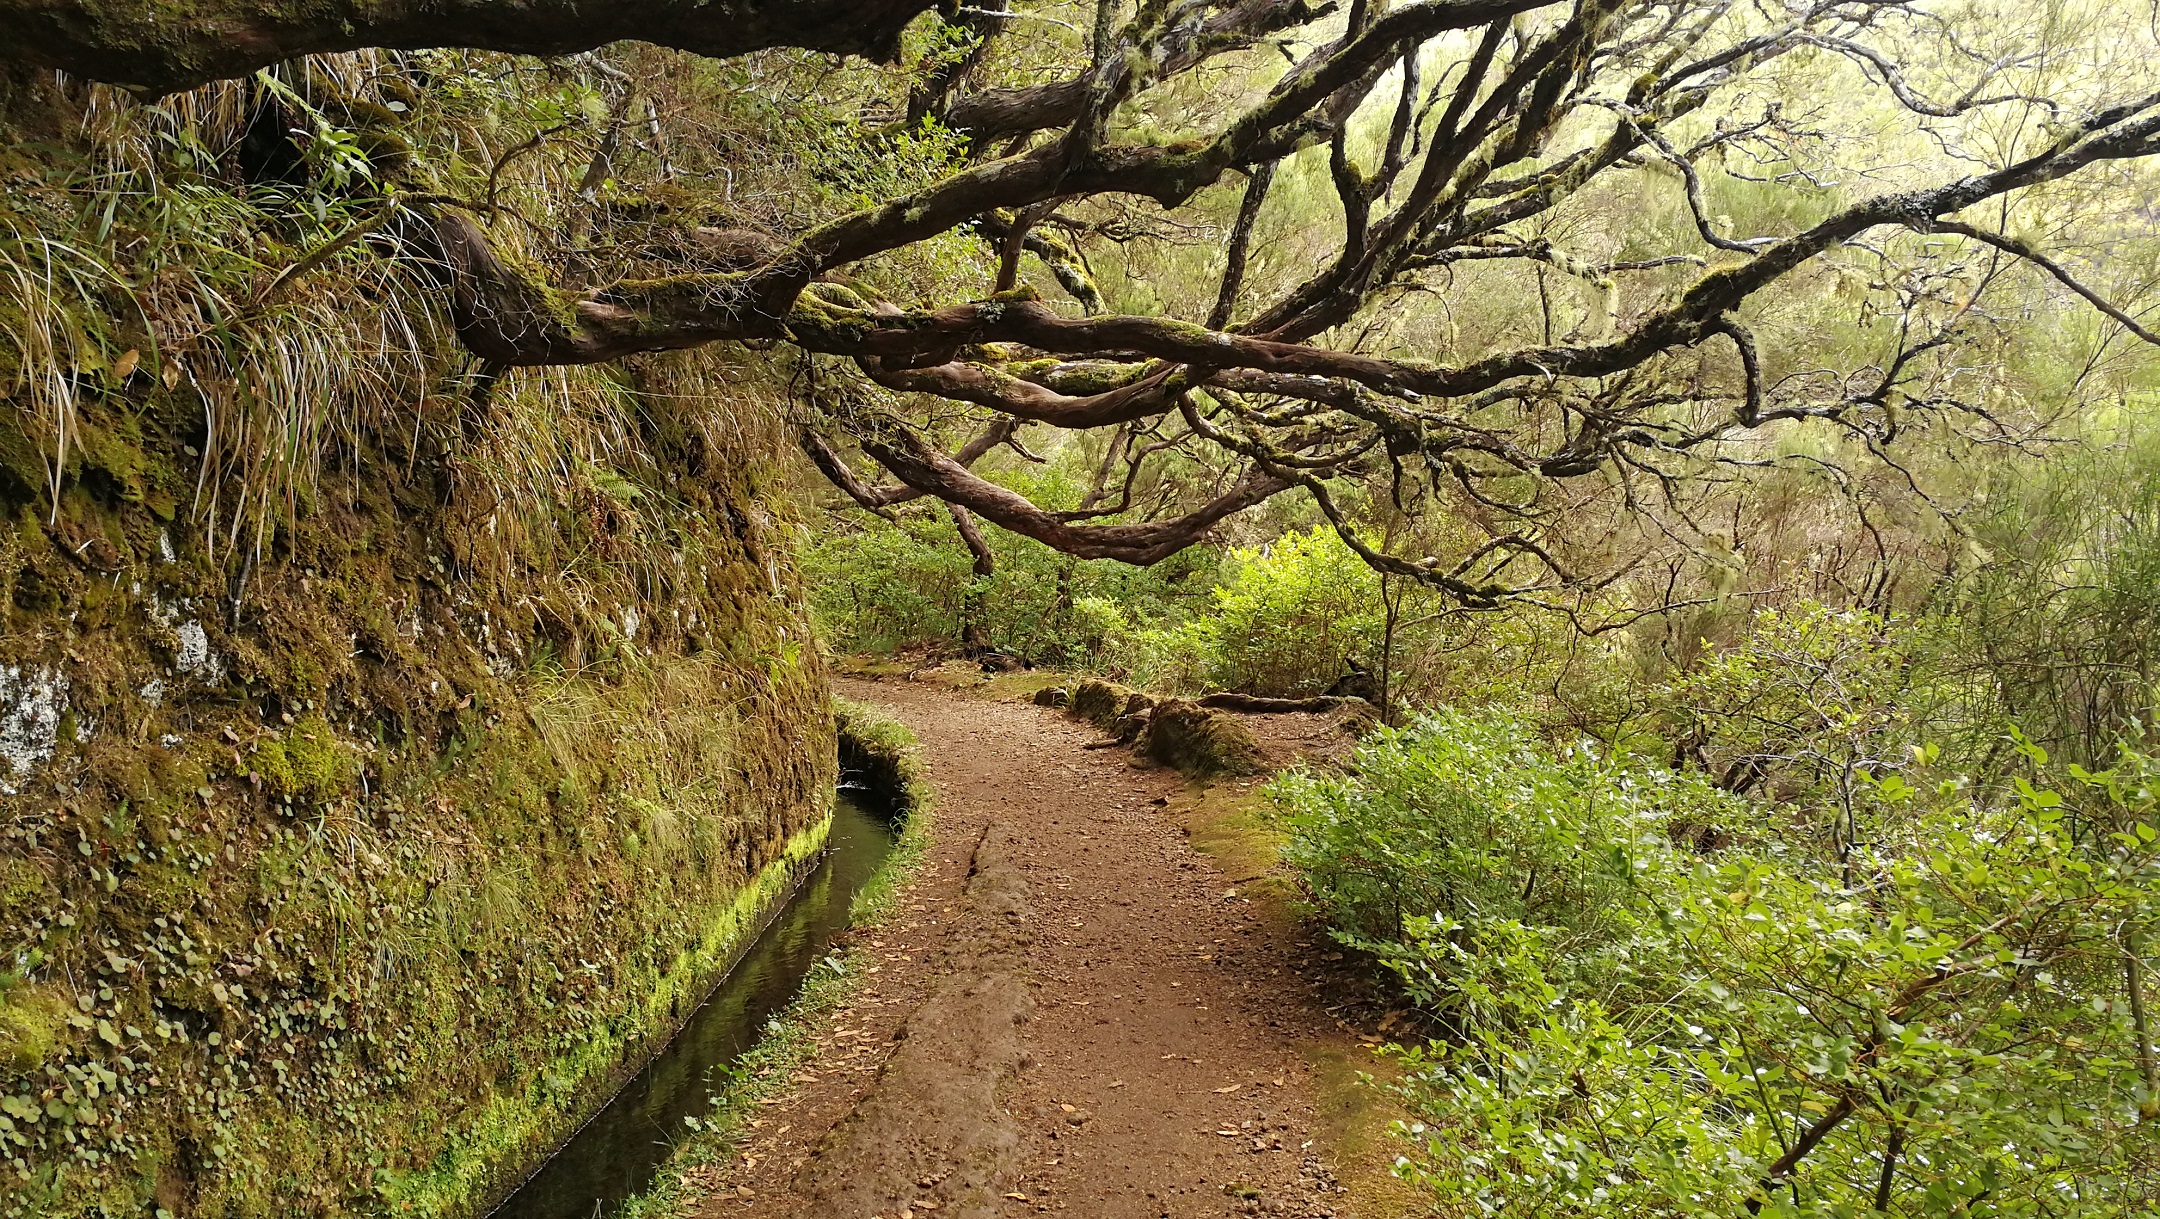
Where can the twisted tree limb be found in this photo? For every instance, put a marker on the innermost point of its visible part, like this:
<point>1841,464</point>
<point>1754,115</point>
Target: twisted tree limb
<point>156,47</point>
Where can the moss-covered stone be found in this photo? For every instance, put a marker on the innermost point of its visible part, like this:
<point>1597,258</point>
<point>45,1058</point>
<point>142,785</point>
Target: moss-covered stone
<point>1101,703</point>
<point>1197,741</point>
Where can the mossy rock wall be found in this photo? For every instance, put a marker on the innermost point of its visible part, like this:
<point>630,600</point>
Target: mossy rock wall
<point>349,856</point>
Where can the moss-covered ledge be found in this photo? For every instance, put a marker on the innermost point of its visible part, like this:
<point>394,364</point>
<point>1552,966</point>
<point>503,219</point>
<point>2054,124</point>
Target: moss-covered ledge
<point>883,756</point>
<point>351,894</point>
<point>515,1132</point>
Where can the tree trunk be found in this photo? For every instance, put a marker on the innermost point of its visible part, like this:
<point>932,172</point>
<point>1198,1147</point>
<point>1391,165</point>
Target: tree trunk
<point>972,632</point>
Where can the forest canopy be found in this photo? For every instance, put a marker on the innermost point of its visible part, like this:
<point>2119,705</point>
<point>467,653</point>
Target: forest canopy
<point>1555,274</point>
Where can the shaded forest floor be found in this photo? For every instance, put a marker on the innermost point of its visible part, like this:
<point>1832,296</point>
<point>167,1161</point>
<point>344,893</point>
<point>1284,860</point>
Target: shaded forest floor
<point>1091,998</point>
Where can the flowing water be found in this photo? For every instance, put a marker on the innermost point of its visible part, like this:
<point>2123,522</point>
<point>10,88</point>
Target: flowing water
<point>615,1155</point>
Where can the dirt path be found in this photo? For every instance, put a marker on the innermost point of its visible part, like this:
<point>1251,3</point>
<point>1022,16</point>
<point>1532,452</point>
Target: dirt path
<point>1071,1010</point>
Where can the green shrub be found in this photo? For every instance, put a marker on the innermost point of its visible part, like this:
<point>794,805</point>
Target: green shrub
<point>2059,608</point>
<point>1462,821</point>
<point>883,587</point>
<point>1812,697</point>
<point>1944,1019</point>
<point>1292,614</point>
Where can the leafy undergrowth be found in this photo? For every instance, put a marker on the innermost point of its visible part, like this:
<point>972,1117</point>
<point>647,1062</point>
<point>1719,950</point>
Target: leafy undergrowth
<point>1657,997</point>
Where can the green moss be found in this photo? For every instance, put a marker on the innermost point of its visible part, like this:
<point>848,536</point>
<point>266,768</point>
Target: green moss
<point>813,315</point>
<point>307,763</point>
<point>171,887</point>
<point>110,443</point>
<point>533,282</point>
<point>1198,742</point>
<point>838,296</point>
<point>514,1125</point>
<point>1095,377</point>
<point>1104,703</point>
<point>21,882</point>
<point>33,1023</point>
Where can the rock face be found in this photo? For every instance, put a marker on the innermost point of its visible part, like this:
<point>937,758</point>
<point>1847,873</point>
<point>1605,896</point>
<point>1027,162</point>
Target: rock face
<point>345,865</point>
<point>32,704</point>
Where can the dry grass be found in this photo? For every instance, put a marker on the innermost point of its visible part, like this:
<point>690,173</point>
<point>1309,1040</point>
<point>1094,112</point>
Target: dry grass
<point>151,248</point>
<point>45,286</point>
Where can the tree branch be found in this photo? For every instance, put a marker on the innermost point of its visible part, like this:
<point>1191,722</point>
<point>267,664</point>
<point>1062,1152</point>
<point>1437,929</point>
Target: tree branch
<point>932,473</point>
<point>2011,245</point>
<point>156,47</point>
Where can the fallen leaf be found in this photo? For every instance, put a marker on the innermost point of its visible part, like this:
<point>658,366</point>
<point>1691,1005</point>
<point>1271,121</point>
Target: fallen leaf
<point>1231,1088</point>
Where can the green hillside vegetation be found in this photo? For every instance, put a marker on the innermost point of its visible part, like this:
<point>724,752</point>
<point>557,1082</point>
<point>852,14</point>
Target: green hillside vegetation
<point>1719,441</point>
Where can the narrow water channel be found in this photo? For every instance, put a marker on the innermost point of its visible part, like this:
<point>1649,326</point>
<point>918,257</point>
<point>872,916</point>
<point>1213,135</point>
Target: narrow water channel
<point>616,1154</point>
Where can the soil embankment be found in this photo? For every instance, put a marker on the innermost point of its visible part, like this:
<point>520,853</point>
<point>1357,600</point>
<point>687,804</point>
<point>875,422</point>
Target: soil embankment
<point>1072,1009</point>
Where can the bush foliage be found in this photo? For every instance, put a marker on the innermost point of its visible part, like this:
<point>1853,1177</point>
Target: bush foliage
<point>1942,1018</point>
